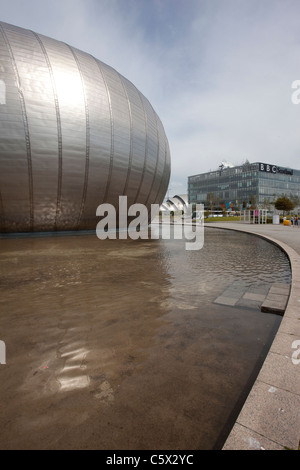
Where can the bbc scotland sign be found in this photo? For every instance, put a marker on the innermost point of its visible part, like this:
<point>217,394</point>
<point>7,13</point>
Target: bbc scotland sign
<point>267,168</point>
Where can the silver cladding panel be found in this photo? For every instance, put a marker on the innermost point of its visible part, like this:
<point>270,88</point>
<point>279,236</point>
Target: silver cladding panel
<point>74,134</point>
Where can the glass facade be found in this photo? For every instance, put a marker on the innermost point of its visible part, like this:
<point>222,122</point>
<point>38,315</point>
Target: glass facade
<point>248,185</point>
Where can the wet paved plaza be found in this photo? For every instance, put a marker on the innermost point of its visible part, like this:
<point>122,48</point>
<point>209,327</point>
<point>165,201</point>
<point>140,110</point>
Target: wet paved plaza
<point>123,344</point>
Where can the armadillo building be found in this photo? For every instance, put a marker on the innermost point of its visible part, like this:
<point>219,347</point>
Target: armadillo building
<point>74,134</point>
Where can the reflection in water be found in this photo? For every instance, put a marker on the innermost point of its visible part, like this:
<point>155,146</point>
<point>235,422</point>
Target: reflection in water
<point>122,345</point>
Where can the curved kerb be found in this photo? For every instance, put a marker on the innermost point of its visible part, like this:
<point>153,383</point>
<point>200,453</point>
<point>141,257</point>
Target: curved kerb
<point>270,416</point>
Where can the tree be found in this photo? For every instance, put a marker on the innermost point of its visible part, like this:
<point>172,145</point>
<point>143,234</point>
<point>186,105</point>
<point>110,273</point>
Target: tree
<point>266,204</point>
<point>210,201</point>
<point>295,199</point>
<point>246,163</point>
<point>252,201</point>
<point>283,203</point>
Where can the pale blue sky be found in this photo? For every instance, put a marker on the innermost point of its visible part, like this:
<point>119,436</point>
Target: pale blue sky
<point>217,72</point>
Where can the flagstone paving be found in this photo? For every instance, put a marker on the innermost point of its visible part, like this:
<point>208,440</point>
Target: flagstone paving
<point>268,298</point>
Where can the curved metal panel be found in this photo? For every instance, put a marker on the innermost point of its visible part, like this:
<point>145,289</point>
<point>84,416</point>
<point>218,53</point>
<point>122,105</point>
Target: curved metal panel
<point>74,133</point>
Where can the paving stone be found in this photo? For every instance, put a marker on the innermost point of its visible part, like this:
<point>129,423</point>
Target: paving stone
<point>278,292</point>
<point>275,303</point>
<point>281,372</point>
<point>226,300</point>
<point>255,304</point>
<point>242,438</point>
<point>270,307</point>
<point>277,297</point>
<point>285,287</point>
<point>274,413</point>
<point>284,345</point>
<point>261,289</point>
<point>253,296</point>
<point>290,325</point>
<point>232,294</point>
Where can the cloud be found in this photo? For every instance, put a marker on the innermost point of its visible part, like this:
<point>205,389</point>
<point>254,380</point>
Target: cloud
<point>243,109</point>
<point>218,73</point>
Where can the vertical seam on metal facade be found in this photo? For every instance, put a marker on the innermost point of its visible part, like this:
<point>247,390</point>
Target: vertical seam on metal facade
<point>157,156</point>
<point>111,157</point>
<point>59,131</point>
<point>26,127</point>
<point>131,137</point>
<point>87,152</point>
<point>146,148</point>
<point>162,178</point>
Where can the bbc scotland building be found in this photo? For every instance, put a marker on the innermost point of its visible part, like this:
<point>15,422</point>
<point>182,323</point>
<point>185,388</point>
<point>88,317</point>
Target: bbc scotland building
<point>74,134</point>
<point>251,185</point>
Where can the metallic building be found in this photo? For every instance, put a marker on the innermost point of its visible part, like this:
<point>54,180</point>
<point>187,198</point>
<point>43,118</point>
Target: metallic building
<point>254,185</point>
<point>74,134</point>
<point>179,202</point>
